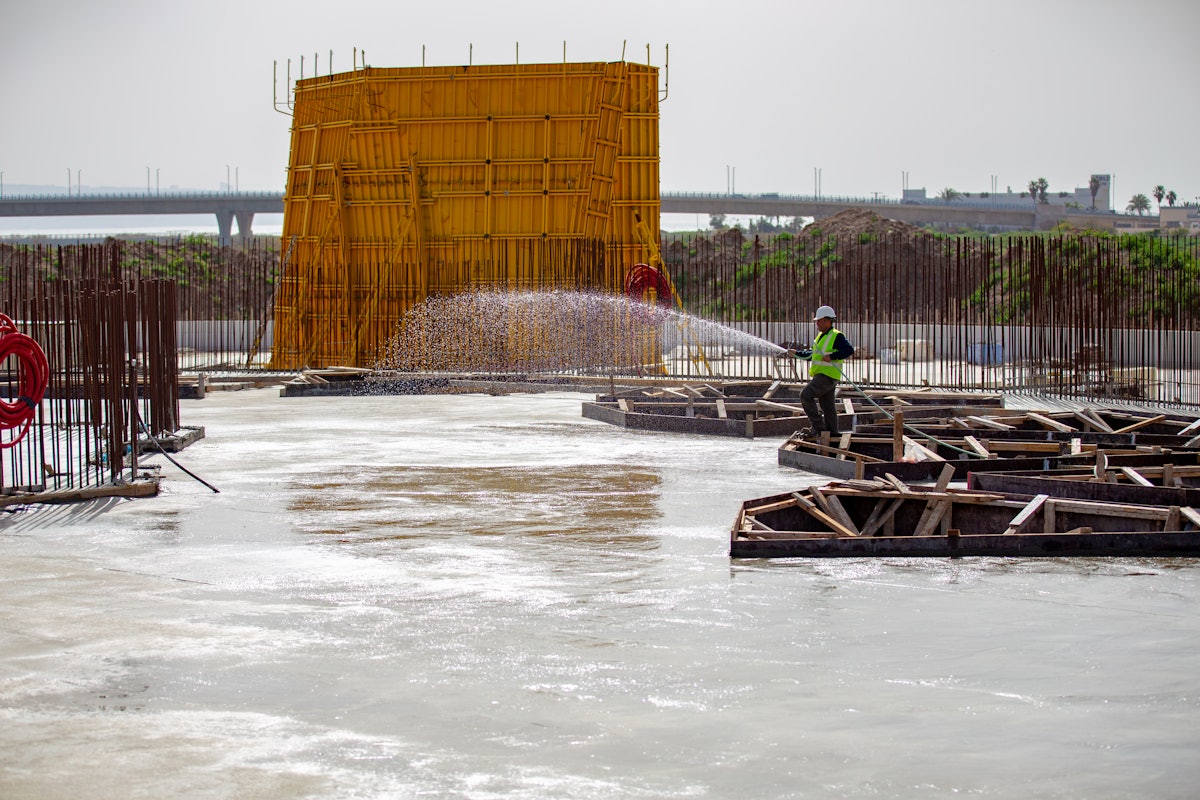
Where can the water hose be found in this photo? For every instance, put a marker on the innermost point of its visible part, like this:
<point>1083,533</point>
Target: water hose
<point>154,439</point>
<point>649,285</point>
<point>33,377</point>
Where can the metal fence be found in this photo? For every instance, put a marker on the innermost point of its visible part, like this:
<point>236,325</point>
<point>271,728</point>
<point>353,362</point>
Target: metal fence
<point>1087,315</point>
<point>1071,314</point>
<point>108,343</point>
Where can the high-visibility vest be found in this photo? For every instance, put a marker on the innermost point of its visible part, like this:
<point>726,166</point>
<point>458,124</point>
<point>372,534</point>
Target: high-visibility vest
<point>823,346</point>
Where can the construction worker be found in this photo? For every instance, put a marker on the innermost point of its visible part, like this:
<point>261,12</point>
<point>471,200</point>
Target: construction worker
<point>825,369</point>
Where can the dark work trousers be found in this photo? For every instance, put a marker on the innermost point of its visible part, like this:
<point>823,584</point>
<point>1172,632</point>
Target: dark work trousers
<point>821,389</point>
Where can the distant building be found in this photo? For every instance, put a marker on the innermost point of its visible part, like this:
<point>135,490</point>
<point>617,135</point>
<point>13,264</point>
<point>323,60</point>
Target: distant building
<point>1080,198</point>
<point>1186,217</point>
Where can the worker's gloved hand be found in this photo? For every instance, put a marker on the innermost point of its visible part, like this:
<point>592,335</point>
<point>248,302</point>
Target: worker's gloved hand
<point>805,353</point>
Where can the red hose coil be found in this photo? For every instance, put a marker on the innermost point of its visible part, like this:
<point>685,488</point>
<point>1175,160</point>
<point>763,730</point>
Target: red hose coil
<point>641,279</point>
<point>34,375</point>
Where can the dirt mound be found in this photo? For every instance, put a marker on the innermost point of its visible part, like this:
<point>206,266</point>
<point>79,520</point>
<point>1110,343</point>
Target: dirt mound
<point>854,222</point>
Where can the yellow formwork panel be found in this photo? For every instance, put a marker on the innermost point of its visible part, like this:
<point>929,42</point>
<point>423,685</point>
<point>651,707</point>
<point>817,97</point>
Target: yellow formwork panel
<point>413,181</point>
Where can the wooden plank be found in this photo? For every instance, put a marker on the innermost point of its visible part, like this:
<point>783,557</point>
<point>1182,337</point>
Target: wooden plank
<point>137,488</point>
<point>944,478</point>
<point>770,392</point>
<point>848,406</point>
<point>1049,516</point>
<point>1100,424</point>
<point>884,510</point>
<point>833,506</point>
<point>1195,426</point>
<point>794,411</point>
<point>898,436</point>
<point>1108,509</point>
<point>900,485</point>
<point>1141,423</point>
<point>721,412</point>
<point>958,495</point>
<point>811,508</point>
<point>778,504</point>
<point>1172,522</point>
<point>1135,476</point>
<point>1046,422</point>
<point>870,485</point>
<point>1076,446</point>
<point>1191,515</point>
<point>1101,466</point>
<point>1027,513</point>
<point>975,445</point>
<point>624,405</point>
<point>1170,478</point>
<point>989,423</point>
<point>922,450</point>
<point>931,517</point>
<point>843,446</point>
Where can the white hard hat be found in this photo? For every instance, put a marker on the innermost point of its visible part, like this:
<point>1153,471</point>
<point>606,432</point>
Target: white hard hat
<point>825,312</point>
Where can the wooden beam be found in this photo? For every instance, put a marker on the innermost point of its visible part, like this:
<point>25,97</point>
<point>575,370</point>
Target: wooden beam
<point>1049,516</point>
<point>1135,476</point>
<point>974,444</point>
<point>900,485</point>
<point>721,412</point>
<point>990,423</point>
<point>1046,422</point>
<point>1100,424</point>
<point>1026,514</point>
<point>931,517</point>
<point>944,478</point>
<point>795,411</point>
<point>1172,522</point>
<point>833,524</point>
<point>883,511</point>
<point>925,452</point>
<point>1141,423</point>
<point>1169,477</point>
<point>1191,515</point>
<point>832,506</point>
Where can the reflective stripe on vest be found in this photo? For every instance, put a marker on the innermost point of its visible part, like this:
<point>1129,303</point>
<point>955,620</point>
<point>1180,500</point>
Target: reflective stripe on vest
<point>821,347</point>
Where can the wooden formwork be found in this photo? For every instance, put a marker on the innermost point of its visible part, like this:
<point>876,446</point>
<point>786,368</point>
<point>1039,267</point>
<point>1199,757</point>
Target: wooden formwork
<point>405,183</point>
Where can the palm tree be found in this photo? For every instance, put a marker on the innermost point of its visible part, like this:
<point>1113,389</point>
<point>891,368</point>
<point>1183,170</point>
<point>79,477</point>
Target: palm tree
<point>1158,193</point>
<point>949,195</point>
<point>1172,197</point>
<point>1094,186</point>
<point>1037,190</point>
<point>1139,203</point>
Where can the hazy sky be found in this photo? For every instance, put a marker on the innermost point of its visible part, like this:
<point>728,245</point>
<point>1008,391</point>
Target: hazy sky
<point>949,92</point>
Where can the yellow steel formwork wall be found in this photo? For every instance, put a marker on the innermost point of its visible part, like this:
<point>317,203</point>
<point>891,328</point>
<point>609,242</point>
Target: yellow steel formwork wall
<point>408,182</point>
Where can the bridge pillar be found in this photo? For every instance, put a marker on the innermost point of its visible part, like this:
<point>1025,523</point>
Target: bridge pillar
<point>244,220</point>
<point>224,228</point>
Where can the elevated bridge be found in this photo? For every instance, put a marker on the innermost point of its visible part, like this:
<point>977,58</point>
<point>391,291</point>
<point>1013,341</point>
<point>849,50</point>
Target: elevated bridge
<point>227,206</point>
<point>242,206</point>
